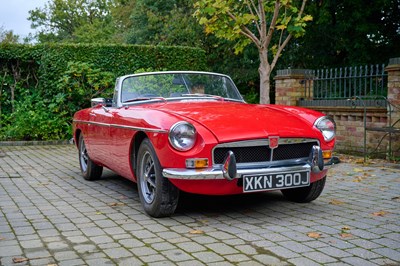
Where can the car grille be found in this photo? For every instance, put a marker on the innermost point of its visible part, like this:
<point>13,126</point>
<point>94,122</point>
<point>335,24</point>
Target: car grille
<point>262,153</point>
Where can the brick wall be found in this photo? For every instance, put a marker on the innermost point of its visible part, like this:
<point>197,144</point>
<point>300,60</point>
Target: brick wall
<point>350,129</point>
<point>350,121</point>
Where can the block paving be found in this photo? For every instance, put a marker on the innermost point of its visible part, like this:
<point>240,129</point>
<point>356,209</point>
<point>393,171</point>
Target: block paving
<point>49,215</point>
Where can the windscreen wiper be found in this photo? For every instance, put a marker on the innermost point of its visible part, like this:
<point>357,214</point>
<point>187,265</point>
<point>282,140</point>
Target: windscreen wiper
<point>137,99</point>
<point>203,95</point>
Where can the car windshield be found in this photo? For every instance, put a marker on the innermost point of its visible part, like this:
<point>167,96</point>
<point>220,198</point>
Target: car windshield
<point>173,85</point>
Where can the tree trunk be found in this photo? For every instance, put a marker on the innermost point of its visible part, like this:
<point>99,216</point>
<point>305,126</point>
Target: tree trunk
<point>17,76</point>
<point>265,72</point>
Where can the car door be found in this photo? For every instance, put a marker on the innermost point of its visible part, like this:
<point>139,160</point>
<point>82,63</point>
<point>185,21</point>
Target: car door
<point>99,135</point>
<point>121,136</point>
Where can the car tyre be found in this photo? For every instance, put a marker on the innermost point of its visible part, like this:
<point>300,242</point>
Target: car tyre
<point>159,197</point>
<point>90,170</point>
<point>305,194</point>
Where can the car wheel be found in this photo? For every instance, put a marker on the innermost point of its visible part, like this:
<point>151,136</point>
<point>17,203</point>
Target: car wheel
<point>90,170</point>
<point>305,194</point>
<point>158,195</point>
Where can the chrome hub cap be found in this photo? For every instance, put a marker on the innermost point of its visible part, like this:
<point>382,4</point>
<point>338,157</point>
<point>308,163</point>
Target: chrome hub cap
<point>148,178</point>
<point>83,156</point>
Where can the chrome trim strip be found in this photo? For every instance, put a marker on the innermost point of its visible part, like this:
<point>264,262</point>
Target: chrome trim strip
<point>122,126</point>
<point>216,173</point>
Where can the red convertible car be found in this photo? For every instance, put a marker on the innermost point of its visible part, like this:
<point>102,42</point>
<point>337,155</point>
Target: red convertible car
<point>192,131</point>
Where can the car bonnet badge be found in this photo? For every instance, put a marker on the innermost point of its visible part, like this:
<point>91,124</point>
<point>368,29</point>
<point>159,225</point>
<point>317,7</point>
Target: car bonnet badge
<point>273,142</point>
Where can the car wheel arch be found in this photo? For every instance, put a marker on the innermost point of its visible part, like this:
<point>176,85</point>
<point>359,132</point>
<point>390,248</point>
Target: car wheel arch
<point>78,133</point>
<point>135,144</point>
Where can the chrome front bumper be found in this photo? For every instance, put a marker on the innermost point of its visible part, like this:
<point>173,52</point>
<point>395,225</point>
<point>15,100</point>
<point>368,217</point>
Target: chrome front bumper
<point>229,170</point>
<point>215,173</point>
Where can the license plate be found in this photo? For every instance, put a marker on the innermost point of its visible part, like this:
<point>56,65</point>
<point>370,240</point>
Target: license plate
<point>264,182</point>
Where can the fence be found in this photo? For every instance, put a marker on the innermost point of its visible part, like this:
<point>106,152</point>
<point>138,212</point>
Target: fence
<point>361,100</point>
<point>333,87</point>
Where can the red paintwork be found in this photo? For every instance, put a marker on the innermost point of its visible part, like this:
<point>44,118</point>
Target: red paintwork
<point>215,122</point>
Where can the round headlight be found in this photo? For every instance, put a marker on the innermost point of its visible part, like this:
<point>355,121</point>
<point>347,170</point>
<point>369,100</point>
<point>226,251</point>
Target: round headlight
<point>327,127</point>
<point>182,136</point>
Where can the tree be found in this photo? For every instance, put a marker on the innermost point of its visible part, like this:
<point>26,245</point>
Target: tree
<point>74,21</point>
<point>165,22</point>
<point>8,36</point>
<point>347,32</point>
<point>255,21</point>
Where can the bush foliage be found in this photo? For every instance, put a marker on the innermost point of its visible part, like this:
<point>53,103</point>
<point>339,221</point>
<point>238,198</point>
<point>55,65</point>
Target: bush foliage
<point>42,86</point>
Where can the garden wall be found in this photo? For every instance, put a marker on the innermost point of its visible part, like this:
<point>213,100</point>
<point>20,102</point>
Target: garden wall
<point>350,119</point>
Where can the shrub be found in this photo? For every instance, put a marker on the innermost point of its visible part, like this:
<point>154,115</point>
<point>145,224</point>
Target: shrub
<point>41,86</point>
<point>36,119</point>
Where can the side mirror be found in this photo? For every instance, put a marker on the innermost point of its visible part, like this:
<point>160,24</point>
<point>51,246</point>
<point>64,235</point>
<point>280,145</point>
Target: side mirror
<point>97,101</point>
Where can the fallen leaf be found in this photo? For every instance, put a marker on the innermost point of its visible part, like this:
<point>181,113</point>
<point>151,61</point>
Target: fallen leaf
<point>345,235</point>
<point>396,198</point>
<point>380,213</point>
<point>357,179</point>
<point>196,232</point>
<point>20,260</point>
<point>314,234</point>
<point>114,204</point>
<point>99,213</point>
<point>365,174</point>
<point>359,161</point>
<point>346,228</point>
<point>203,221</point>
<point>358,170</point>
<point>336,202</point>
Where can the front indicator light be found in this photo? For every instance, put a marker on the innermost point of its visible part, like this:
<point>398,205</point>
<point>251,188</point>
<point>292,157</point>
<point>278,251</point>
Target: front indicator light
<point>327,154</point>
<point>196,163</point>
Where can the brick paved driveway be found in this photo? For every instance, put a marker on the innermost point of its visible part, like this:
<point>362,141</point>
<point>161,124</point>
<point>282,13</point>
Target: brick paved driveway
<point>50,216</point>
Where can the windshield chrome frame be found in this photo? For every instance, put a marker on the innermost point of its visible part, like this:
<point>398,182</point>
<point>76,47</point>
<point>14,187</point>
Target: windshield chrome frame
<point>120,80</point>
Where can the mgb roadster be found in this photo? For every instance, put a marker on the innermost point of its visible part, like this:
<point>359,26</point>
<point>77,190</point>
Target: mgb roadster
<point>192,131</point>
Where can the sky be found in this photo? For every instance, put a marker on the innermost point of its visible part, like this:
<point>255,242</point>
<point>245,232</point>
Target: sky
<point>14,14</point>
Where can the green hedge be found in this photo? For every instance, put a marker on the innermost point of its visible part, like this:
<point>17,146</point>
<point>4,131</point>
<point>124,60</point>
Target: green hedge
<point>65,76</point>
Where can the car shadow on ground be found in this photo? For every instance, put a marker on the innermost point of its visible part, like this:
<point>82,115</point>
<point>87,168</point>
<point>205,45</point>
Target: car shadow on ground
<point>205,204</point>
<point>209,205</point>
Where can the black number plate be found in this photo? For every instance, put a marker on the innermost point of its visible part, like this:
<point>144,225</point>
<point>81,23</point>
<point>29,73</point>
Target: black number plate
<point>264,182</point>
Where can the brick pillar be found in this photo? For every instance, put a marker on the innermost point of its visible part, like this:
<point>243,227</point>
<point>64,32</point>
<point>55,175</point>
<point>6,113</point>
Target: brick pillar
<point>393,70</point>
<point>290,86</point>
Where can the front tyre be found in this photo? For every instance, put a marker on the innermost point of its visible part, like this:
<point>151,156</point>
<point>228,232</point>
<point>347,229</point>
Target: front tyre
<point>158,196</point>
<point>90,170</point>
<point>305,194</point>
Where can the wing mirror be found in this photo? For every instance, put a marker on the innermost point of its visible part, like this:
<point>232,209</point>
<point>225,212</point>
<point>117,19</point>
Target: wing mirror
<point>97,101</point>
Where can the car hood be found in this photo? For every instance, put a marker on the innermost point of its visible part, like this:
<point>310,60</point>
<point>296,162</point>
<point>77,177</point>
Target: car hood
<point>231,121</point>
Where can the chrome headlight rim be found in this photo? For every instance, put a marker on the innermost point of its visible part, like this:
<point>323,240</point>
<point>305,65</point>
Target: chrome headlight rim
<point>328,133</point>
<point>176,138</point>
